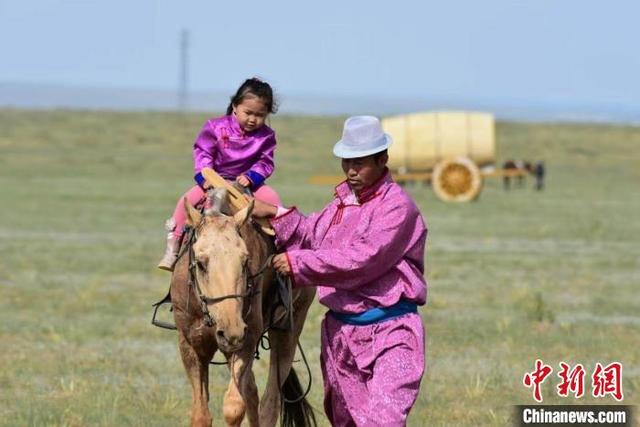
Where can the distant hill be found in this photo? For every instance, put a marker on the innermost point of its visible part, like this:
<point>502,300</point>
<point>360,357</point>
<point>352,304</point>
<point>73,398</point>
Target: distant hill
<point>47,96</point>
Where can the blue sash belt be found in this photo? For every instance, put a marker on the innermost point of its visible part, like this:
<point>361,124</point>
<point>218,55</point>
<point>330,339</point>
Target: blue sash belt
<point>376,314</point>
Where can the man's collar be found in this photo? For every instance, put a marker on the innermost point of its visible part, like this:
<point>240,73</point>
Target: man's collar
<point>342,190</point>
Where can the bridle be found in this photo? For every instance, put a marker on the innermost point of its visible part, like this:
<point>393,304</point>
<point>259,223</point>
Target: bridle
<point>249,279</point>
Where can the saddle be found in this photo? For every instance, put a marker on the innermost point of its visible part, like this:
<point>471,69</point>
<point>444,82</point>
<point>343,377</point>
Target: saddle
<point>237,201</point>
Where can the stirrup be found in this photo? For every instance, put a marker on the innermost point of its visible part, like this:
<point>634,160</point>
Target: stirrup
<point>156,306</point>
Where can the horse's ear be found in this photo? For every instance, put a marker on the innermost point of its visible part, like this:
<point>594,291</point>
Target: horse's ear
<point>193,216</point>
<point>243,215</point>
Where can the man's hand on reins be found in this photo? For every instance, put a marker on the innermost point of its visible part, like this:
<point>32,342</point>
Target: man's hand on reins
<point>281,264</point>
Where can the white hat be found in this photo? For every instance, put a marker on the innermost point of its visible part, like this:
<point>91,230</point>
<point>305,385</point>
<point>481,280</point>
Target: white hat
<point>362,136</point>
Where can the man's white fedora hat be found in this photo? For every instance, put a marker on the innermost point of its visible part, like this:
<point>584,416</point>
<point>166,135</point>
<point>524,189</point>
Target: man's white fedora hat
<point>362,136</point>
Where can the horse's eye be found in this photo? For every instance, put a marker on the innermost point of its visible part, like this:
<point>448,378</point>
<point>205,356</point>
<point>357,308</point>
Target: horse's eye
<point>201,266</point>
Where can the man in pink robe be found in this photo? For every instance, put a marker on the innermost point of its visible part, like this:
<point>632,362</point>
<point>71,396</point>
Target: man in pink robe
<point>365,253</point>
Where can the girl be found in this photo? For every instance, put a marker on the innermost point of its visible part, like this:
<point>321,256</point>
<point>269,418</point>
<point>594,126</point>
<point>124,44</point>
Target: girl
<point>238,146</point>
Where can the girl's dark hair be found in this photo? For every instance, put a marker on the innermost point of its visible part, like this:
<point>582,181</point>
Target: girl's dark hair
<point>254,87</point>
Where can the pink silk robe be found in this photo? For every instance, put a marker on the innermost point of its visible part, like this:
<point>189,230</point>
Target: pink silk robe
<point>362,256</point>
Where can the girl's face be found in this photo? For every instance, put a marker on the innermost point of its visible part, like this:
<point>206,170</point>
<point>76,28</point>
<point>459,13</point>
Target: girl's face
<point>251,113</point>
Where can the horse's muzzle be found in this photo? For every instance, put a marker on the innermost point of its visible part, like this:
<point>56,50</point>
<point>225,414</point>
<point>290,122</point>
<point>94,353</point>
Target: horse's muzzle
<point>231,340</point>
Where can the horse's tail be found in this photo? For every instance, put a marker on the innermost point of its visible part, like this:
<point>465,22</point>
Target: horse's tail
<point>296,411</point>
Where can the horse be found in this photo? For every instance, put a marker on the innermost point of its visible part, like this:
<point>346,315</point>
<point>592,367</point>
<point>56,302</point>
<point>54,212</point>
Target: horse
<point>515,165</point>
<point>537,170</point>
<point>221,292</point>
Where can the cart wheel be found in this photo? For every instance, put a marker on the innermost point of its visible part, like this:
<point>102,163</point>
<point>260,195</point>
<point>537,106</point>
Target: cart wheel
<point>456,180</point>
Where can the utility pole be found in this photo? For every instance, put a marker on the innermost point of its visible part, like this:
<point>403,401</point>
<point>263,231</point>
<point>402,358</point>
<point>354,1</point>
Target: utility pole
<point>184,71</point>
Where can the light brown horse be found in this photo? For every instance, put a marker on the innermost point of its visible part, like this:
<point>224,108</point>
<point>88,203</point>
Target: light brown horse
<point>230,281</point>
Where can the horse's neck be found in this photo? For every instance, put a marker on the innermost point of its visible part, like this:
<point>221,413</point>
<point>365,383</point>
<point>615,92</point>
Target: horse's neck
<point>259,245</point>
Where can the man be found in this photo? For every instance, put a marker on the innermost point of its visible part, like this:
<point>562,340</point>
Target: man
<point>365,253</point>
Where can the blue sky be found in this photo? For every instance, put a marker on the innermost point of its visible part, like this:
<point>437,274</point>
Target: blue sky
<point>518,52</point>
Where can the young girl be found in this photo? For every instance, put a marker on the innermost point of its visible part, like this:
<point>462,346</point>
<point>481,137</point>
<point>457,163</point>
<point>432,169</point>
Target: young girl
<point>239,147</point>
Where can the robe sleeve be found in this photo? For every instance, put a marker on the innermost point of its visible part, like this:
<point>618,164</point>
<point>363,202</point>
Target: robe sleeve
<point>204,148</point>
<point>370,254</point>
<point>264,165</point>
<point>296,231</point>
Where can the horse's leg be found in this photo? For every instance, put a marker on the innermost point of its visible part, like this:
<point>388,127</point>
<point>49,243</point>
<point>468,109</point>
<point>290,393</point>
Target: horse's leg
<point>242,394</point>
<point>283,348</point>
<point>282,351</point>
<point>198,373</point>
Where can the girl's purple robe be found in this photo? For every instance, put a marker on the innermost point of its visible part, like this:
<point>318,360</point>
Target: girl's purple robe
<point>364,255</point>
<point>223,146</point>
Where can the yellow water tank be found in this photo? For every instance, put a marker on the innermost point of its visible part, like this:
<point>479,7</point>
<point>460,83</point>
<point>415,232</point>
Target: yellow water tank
<point>420,140</point>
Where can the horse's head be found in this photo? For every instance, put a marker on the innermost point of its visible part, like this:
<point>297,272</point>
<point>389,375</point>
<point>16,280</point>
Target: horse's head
<point>220,270</point>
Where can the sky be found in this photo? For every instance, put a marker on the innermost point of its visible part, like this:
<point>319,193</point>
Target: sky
<point>535,52</point>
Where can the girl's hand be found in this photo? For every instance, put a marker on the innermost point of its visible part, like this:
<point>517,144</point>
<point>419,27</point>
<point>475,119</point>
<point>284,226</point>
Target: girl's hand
<point>243,180</point>
<point>281,264</point>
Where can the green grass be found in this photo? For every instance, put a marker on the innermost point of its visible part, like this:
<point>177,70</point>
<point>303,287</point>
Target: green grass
<point>512,277</point>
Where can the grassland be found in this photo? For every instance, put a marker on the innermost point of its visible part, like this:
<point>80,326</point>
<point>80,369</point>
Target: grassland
<point>512,277</point>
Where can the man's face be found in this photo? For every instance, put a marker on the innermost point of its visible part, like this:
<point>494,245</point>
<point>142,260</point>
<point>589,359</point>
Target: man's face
<point>361,172</point>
